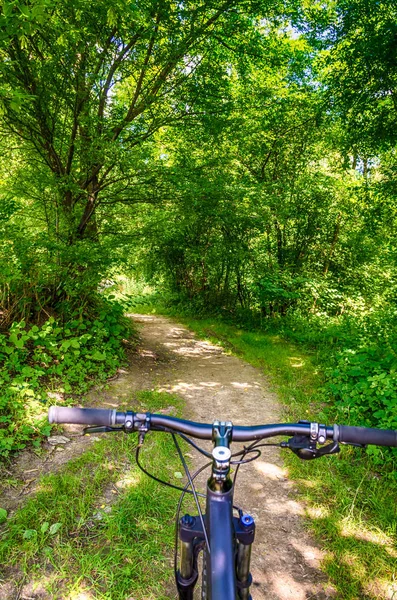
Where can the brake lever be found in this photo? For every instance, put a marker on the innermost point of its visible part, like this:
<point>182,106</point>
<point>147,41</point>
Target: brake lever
<point>104,429</point>
<point>133,422</point>
<point>307,450</point>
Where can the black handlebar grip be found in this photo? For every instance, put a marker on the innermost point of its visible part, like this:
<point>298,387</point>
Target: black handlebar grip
<point>83,416</point>
<point>365,436</point>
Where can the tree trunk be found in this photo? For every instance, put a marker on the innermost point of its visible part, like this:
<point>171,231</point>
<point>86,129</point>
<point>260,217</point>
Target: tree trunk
<point>280,250</point>
<point>333,244</point>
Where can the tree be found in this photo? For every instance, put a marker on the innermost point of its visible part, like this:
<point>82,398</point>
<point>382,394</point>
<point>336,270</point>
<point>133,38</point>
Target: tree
<point>359,68</point>
<point>83,88</point>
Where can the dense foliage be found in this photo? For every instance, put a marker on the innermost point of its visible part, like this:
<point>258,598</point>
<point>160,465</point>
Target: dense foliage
<point>55,361</point>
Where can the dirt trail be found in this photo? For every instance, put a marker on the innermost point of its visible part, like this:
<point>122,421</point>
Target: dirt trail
<point>286,561</point>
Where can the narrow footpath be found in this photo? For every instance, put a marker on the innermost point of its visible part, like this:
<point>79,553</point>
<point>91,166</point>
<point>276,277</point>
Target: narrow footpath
<point>215,385</point>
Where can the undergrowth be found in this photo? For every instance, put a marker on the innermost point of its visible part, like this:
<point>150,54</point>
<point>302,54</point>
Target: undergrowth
<point>54,360</point>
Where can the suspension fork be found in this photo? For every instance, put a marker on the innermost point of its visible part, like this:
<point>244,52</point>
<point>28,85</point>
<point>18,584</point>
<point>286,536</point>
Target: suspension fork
<point>191,537</point>
<point>244,528</point>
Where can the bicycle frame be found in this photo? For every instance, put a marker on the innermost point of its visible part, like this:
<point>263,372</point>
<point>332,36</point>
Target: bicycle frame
<point>221,576</point>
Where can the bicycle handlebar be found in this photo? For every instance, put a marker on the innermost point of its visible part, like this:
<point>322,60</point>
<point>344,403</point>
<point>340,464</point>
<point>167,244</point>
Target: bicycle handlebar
<point>134,422</point>
<point>375,437</point>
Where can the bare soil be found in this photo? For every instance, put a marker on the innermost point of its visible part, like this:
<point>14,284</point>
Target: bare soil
<point>286,560</point>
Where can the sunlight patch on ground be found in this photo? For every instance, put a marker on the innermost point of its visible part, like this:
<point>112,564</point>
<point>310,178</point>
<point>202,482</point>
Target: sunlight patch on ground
<point>57,396</point>
<point>356,567</point>
<point>286,587</point>
<point>307,483</point>
<point>142,318</point>
<point>196,349</point>
<point>241,386</point>
<point>147,353</point>
<point>382,589</point>
<point>311,554</point>
<point>183,387</point>
<point>361,532</point>
<point>130,479</point>
<point>37,586</point>
<point>288,507</point>
<point>269,470</point>
<point>296,362</point>
<point>187,350</point>
<point>80,595</point>
<point>256,486</point>
<point>317,512</point>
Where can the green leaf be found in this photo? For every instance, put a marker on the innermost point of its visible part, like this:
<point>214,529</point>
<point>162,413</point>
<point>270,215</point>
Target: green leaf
<point>7,9</point>
<point>44,527</point>
<point>178,475</point>
<point>3,515</point>
<point>112,17</point>
<point>13,338</point>
<point>98,355</point>
<point>29,534</point>
<point>55,527</point>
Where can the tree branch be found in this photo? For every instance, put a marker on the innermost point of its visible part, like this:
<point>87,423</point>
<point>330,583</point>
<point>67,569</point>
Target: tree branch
<point>116,64</point>
<point>135,109</point>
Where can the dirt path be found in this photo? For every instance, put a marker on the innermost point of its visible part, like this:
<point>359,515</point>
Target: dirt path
<point>285,563</point>
<point>214,385</point>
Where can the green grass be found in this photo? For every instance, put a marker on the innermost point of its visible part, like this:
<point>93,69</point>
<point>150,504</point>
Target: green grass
<point>351,507</point>
<point>100,527</point>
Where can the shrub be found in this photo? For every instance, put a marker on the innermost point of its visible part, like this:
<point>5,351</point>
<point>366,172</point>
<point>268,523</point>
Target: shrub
<point>62,360</point>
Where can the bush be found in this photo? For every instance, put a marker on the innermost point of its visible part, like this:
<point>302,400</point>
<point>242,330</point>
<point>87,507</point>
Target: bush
<point>363,378</point>
<point>358,356</point>
<point>53,360</point>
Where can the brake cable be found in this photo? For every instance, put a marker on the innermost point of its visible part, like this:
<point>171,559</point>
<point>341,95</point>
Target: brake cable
<point>195,495</point>
<point>247,450</point>
<point>178,512</point>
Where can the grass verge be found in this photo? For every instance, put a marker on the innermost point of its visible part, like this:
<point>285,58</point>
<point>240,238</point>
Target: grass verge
<point>100,528</point>
<point>350,506</point>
